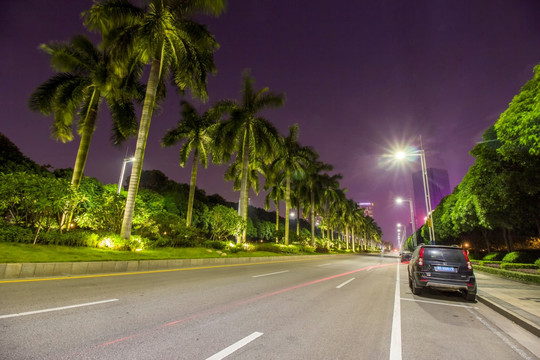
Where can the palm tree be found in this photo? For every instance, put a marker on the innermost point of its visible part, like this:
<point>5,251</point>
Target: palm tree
<point>274,182</point>
<point>194,131</point>
<point>294,160</point>
<point>163,35</point>
<point>86,77</point>
<point>247,134</point>
<point>314,186</point>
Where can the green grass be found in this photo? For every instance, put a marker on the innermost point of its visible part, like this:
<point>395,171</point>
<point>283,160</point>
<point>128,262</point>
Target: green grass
<point>25,253</point>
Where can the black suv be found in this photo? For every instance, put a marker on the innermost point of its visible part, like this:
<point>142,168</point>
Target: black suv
<point>442,267</point>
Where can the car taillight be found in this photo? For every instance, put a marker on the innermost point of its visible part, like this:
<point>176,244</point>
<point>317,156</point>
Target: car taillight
<point>469,266</point>
<point>420,260</point>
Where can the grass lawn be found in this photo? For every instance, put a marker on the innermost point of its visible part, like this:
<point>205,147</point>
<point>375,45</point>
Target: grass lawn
<point>25,253</point>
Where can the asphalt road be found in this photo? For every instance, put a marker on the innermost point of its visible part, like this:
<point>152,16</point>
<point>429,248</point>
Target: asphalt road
<point>357,307</point>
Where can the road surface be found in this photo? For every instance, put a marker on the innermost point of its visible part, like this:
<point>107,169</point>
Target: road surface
<point>352,307</point>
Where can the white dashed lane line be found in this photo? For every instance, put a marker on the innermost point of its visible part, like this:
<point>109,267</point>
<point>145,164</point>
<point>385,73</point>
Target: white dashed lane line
<point>237,345</point>
<point>57,309</point>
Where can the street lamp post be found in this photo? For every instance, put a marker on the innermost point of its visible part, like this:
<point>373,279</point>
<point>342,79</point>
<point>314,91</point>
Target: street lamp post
<point>126,160</point>
<point>425,181</point>
<point>413,220</point>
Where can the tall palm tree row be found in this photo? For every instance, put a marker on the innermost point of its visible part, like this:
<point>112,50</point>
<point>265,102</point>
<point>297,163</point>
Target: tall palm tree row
<point>248,135</point>
<point>294,159</point>
<point>163,35</point>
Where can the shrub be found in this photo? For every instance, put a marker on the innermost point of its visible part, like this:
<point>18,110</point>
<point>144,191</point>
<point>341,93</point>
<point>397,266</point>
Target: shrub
<point>306,249</point>
<point>537,263</point>
<point>17,234</point>
<point>275,248</point>
<point>496,256</point>
<point>506,266</point>
<point>322,250</point>
<point>525,257</point>
<point>212,244</point>
<point>510,274</point>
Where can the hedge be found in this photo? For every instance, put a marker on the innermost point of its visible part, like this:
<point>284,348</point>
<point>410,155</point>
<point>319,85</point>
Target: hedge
<point>509,274</point>
<point>507,266</point>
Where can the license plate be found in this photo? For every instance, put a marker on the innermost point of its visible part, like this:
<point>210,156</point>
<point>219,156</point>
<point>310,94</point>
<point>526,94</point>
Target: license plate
<point>444,268</point>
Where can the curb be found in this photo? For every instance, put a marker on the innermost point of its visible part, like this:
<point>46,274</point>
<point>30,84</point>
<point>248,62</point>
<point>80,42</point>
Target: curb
<point>524,323</point>
<point>16,271</point>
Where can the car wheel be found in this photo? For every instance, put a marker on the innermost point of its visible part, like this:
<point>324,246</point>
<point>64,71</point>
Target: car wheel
<point>470,296</point>
<point>415,289</point>
<point>410,281</point>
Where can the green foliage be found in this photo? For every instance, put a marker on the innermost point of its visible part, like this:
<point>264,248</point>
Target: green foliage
<point>537,263</point>
<point>14,233</point>
<point>225,223</point>
<point>519,125</point>
<point>496,256</point>
<point>526,257</point>
<point>509,274</point>
<point>102,209</point>
<point>34,201</point>
<point>183,236</point>
<point>507,266</point>
<point>322,250</point>
<point>218,245</point>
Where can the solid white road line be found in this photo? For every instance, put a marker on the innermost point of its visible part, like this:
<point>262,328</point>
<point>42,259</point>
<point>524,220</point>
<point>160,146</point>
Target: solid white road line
<point>57,309</point>
<point>395,342</point>
<point>345,283</point>
<point>501,336</point>
<point>440,303</point>
<point>237,345</point>
<point>274,273</point>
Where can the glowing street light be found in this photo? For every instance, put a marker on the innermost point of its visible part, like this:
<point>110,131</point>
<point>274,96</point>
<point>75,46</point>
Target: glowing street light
<point>413,221</point>
<point>402,155</point>
<point>126,160</point>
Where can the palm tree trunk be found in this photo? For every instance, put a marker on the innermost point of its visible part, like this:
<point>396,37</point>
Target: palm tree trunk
<point>82,153</point>
<point>298,221</point>
<point>86,136</point>
<point>192,188</point>
<point>352,240</point>
<point>312,219</point>
<point>277,221</point>
<point>144,127</point>
<point>244,185</point>
<point>287,208</point>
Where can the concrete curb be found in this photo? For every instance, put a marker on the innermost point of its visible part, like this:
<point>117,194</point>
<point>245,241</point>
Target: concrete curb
<point>13,271</point>
<point>519,320</point>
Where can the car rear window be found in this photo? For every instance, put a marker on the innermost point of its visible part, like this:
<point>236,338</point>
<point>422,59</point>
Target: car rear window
<point>441,254</point>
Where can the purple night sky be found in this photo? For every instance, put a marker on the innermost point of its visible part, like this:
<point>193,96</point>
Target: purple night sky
<point>360,77</point>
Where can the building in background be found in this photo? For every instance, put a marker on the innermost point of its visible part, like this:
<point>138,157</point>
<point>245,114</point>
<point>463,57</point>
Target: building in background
<point>439,187</point>
<point>368,208</point>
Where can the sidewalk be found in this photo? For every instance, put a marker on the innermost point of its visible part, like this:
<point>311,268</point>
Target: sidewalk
<point>518,301</point>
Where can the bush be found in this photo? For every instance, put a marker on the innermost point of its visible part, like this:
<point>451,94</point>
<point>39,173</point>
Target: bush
<point>506,266</point>
<point>211,244</point>
<point>524,257</point>
<point>14,233</point>
<point>322,250</point>
<point>496,256</point>
<point>537,263</point>
<point>510,274</point>
<point>269,247</point>
<point>306,249</point>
